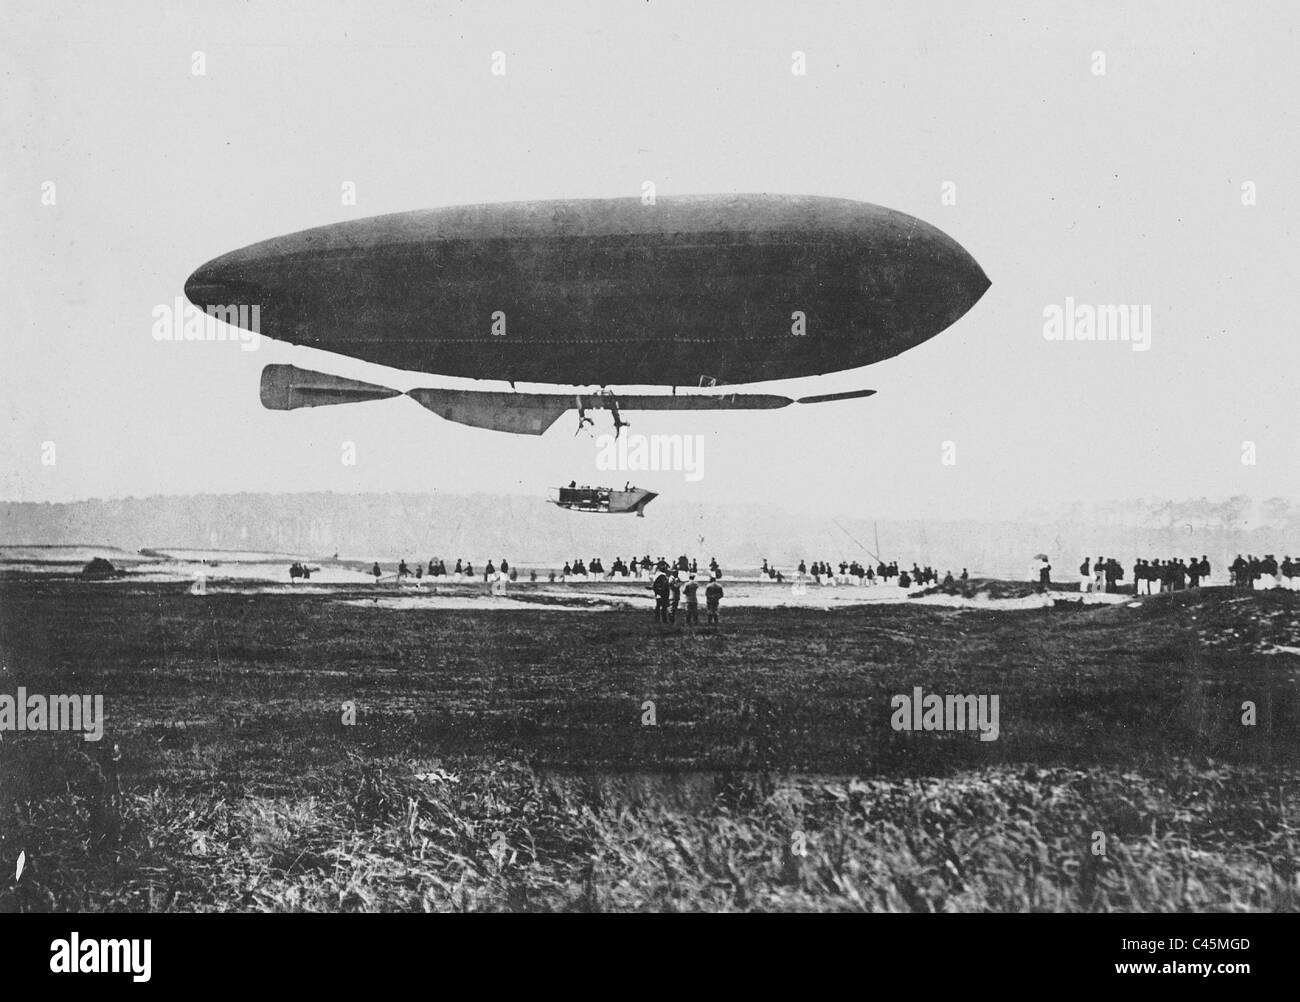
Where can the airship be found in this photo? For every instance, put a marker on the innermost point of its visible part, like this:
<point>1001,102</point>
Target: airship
<point>686,299</point>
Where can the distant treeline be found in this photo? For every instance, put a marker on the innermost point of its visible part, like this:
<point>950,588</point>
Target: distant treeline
<point>527,530</point>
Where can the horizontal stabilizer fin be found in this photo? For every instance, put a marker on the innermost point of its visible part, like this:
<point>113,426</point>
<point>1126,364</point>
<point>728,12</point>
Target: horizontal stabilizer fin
<point>825,398</point>
<point>287,387</point>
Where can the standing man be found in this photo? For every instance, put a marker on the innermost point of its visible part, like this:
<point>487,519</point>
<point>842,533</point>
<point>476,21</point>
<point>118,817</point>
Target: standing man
<point>660,588</point>
<point>712,596</point>
<point>692,602</point>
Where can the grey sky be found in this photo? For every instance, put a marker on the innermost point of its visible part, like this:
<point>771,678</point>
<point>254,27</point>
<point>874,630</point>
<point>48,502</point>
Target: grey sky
<point>1122,188</point>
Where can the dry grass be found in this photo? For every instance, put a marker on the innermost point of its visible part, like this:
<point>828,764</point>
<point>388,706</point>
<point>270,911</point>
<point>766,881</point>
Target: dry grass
<point>405,836</point>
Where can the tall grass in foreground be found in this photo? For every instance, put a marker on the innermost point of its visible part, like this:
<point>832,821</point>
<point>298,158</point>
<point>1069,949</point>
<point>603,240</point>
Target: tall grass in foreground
<point>401,835</point>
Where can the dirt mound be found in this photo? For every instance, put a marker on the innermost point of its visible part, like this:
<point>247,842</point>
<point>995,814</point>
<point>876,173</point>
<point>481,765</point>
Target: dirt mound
<point>1264,622</point>
<point>1249,622</point>
<point>99,568</point>
<point>982,588</point>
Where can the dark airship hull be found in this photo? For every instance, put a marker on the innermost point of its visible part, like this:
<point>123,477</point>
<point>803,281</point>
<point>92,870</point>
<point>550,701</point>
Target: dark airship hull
<point>609,292</point>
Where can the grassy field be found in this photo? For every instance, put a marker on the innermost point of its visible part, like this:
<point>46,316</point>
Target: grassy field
<point>501,759</point>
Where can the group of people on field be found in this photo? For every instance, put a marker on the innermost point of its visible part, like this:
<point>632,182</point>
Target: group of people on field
<point>1252,572</point>
<point>669,589</point>
<point>1173,574</point>
<point>683,575</point>
<point>852,572</point>
<point>463,571</point>
<point>1154,576</point>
